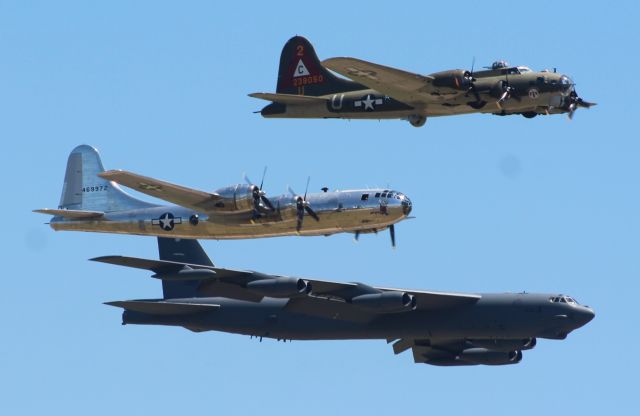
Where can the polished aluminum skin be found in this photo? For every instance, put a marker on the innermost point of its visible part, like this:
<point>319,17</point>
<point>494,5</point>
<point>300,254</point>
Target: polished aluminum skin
<point>92,202</point>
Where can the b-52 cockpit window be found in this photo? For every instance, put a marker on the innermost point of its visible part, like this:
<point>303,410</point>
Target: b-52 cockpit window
<point>563,299</point>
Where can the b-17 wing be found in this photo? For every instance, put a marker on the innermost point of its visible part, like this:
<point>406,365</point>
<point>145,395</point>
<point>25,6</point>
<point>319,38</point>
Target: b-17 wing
<point>407,87</point>
<point>177,194</point>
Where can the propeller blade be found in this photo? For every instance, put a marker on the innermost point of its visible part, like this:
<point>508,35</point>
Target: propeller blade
<point>306,188</point>
<point>291,191</point>
<point>311,212</point>
<point>299,218</point>
<point>585,104</point>
<point>572,110</point>
<point>392,233</point>
<point>268,203</point>
<point>246,179</point>
<point>264,172</point>
<point>356,236</point>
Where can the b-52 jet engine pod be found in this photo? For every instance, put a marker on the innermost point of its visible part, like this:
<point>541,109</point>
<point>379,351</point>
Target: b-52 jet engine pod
<point>489,357</point>
<point>281,287</point>
<point>385,302</point>
<point>187,273</point>
<point>505,344</point>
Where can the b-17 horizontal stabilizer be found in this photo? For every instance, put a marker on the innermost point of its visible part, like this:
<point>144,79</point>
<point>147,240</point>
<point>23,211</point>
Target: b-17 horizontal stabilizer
<point>159,307</point>
<point>72,214</point>
<point>287,98</point>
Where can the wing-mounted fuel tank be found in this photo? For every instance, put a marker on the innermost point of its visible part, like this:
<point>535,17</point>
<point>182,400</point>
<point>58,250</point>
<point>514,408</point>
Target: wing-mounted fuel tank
<point>236,199</point>
<point>505,344</point>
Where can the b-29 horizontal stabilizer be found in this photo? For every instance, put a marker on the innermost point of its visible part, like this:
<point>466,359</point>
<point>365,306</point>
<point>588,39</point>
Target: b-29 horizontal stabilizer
<point>72,214</point>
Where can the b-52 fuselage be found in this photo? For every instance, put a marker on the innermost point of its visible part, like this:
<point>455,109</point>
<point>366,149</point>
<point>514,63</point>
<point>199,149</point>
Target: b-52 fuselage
<point>306,89</point>
<point>441,328</point>
<point>93,201</point>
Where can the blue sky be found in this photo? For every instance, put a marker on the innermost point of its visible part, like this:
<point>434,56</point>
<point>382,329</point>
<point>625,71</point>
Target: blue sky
<point>502,203</point>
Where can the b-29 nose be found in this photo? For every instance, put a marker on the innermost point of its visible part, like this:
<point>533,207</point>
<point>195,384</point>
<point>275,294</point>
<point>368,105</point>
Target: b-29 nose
<point>406,204</point>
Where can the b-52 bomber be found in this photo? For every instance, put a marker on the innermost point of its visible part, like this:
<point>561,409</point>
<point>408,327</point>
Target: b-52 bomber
<point>441,328</point>
<point>92,201</point>
<point>307,89</point>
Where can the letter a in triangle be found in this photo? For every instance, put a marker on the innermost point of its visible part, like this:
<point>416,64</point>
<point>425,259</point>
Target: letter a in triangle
<point>301,70</point>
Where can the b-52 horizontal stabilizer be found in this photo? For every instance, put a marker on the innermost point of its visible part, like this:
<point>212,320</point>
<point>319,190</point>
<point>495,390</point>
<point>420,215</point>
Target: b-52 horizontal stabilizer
<point>173,270</point>
<point>159,307</point>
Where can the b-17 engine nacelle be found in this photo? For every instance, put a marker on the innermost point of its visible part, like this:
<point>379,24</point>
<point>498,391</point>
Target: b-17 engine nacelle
<point>455,79</point>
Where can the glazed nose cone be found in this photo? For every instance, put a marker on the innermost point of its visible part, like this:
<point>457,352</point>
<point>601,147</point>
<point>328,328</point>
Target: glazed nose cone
<point>406,204</point>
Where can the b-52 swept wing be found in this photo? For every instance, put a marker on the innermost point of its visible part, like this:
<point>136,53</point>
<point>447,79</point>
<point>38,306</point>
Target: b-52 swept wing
<point>440,328</point>
<point>374,91</point>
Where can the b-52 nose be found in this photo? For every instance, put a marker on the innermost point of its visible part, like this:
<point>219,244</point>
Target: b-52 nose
<point>583,315</point>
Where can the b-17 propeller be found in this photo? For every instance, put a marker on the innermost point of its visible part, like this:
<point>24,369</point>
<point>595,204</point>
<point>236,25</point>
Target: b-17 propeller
<point>575,102</point>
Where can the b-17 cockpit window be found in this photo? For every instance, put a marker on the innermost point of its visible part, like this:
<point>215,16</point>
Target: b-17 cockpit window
<point>384,195</point>
<point>377,194</point>
<point>524,69</point>
<point>364,197</point>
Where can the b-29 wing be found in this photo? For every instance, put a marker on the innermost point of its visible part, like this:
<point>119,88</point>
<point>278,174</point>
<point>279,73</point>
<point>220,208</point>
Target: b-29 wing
<point>177,194</point>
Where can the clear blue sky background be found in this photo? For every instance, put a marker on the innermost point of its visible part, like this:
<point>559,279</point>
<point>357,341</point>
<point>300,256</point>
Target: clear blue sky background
<point>502,204</point>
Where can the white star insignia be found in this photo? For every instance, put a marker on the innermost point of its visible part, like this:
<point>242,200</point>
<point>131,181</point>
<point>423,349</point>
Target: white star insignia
<point>368,103</point>
<point>165,222</point>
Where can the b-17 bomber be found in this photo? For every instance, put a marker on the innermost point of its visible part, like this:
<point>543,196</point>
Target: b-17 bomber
<point>440,328</point>
<point>92,200</point>
<point>307,89</point>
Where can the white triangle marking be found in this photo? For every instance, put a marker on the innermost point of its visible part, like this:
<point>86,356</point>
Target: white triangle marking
<point>301,70</point>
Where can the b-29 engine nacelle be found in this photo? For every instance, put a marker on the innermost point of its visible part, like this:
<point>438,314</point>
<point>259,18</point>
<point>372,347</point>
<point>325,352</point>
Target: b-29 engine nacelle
<point>235,199</point>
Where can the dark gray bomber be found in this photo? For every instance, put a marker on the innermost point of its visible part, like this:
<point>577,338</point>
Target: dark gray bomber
<point>440,328</point>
